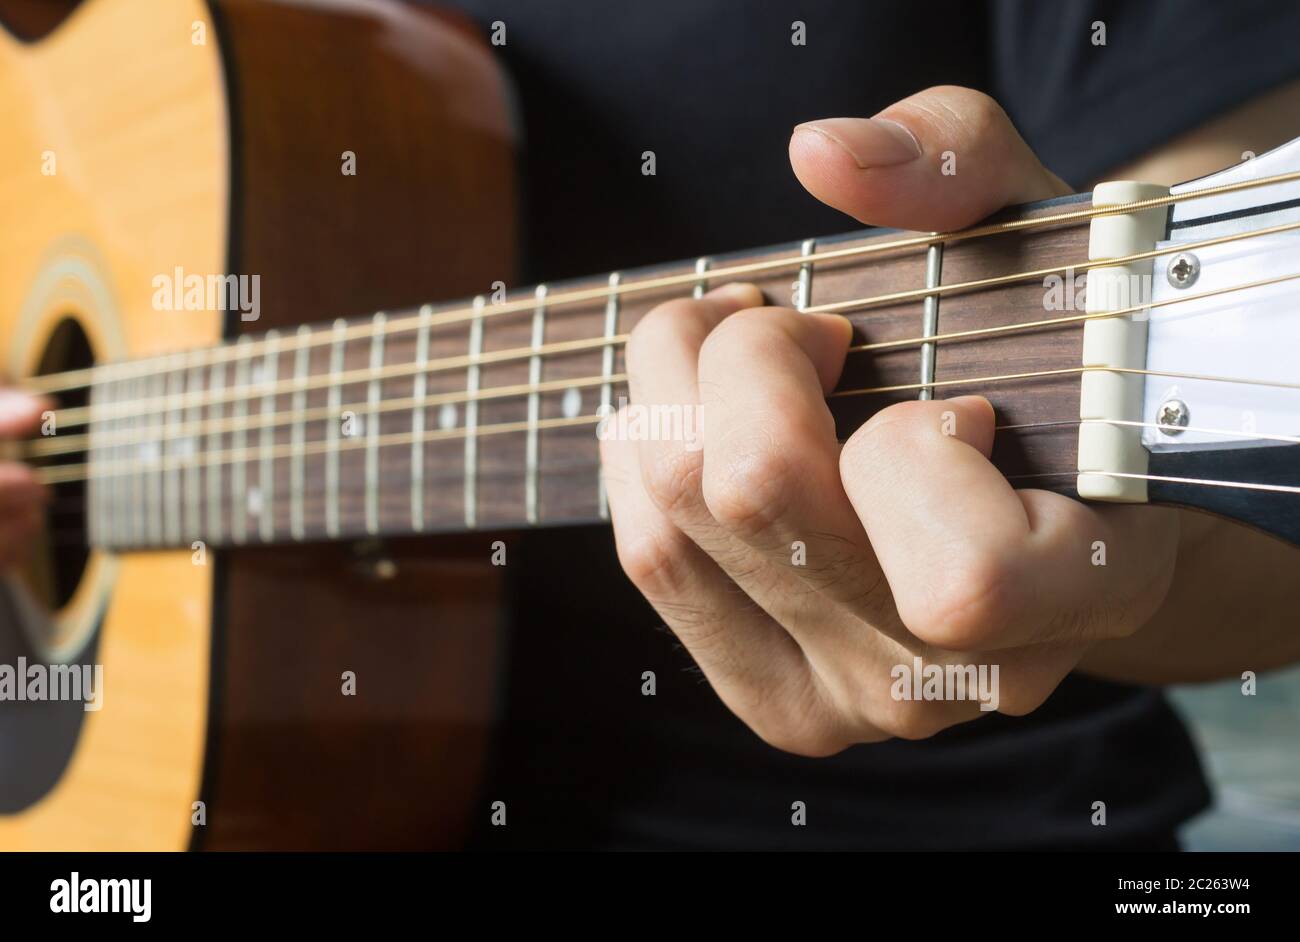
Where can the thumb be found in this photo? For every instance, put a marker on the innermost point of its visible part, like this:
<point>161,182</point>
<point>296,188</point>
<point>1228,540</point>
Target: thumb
<point>942,159</point>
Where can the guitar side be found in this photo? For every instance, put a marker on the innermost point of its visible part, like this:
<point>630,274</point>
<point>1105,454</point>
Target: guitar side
<point>89,218</point>
<point>223,680</point>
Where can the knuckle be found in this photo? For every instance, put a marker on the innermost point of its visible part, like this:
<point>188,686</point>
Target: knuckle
<point>867,700</point>
<point>979,111</point>
<point>672,480</point>
<point>909,719</point>
<point>753,332</point>
<point>983,110</point>
<point>741,328</point>
<point>842,562</point>
<point>890,429</point>
<point>1020,699</point>
<point>800,721</point>
<point>750,495</point>
<point>813,739</point>
<point>663,327</point>
<point>963,609</point>
<point>654,562</point>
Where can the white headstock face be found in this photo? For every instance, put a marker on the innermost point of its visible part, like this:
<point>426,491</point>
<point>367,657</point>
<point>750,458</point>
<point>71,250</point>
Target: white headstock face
<point>1191,389</point>
<point>1246,333</point>
<point>1219,412</point>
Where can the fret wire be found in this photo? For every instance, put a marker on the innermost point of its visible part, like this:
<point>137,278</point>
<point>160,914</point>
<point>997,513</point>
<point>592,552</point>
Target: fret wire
<point>534,409</point>
<point>193,478</point>
<point>138,523</point>
<point>172,522</point>
<point>94,518</point>
<point>266,465</point>
<point>156,502</point>
<point>701,278</point>
<point>297,434</point>
<point>119,501</point>
<point>332,430</point>
<point>57,381</point>
<point>472,378</point>
<point>105,459</point>
<point>418,393</point>
<point>122,524</point>
<point>372,424</point>
<point>114,456</point>
<point>238,438</point>
<point>100,396</point>
<point>606,386</point>
<point>930,317</point>
<point>216,382</point>
<point>127,534</point>
<point>804,284</point>
<point>106,455</point>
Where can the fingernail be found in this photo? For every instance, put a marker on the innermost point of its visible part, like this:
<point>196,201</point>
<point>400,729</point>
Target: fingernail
<point>738,292</point>
<point>871,142</point>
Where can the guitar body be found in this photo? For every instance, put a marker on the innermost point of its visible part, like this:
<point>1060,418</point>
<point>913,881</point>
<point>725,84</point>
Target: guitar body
<point>143,137</point>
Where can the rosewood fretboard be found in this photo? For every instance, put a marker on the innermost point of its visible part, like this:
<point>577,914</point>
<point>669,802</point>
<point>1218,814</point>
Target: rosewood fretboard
<point>454,425</point>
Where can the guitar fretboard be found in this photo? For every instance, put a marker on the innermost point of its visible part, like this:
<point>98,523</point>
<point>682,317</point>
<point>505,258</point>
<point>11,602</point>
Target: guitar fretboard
<point>484,414</point>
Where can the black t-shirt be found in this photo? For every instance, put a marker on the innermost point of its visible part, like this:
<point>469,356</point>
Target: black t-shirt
<point>713,87</point>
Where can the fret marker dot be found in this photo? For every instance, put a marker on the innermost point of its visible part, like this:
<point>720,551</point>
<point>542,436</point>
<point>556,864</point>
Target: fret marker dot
<point>254,501</point>
<point>447,416</point>
<point>572,402</point>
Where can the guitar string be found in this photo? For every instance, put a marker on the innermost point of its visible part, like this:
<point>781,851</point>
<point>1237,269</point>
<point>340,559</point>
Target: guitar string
<point>312,501</point>
<point>1063,371</point>
<point>71,537</point>
<point>1250,434</point>
<point>68,444</point>
<point>80,415</point>
<point>81,378</point>
<point>56,473</point>
<point>55,445</point>
<point>79,538</point>
<point>104,469</point>
<point>1051,322</point>
<point>1204,482</point>
<point>1176,429</point>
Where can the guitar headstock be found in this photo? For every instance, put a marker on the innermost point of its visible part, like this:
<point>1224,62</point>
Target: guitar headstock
<point>1217,416</point>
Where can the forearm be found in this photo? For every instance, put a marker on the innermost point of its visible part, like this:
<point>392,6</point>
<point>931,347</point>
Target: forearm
<point>1234,606</point>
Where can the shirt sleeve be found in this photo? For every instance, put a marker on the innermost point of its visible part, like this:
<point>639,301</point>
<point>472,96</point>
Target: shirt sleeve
<point>1094,83</point>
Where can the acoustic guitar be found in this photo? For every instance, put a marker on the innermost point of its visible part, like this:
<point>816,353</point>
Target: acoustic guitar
<point>284,467</point>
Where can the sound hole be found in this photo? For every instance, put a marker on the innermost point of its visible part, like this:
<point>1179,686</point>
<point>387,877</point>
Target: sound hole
<point>33,627</point>
<point>59,558</point>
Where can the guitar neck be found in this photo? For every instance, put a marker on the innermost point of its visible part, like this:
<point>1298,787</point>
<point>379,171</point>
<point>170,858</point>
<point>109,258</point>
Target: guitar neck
<point>484,414</point>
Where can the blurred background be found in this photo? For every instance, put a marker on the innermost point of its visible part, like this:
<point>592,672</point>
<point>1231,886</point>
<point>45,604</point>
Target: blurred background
<point>1252,758</point>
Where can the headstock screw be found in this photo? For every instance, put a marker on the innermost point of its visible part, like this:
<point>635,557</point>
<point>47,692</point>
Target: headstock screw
<point>1184,268</point>
<point>1173,412</point>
